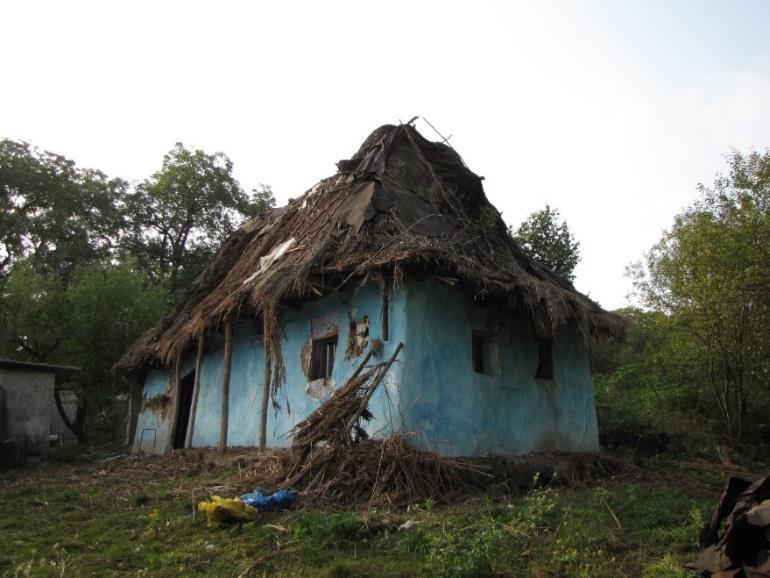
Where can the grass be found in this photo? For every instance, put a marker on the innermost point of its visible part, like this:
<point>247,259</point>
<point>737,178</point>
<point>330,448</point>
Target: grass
<point>81,520</point>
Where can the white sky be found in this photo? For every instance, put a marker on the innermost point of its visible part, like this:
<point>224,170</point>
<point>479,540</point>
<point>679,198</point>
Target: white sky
<point>611,111</point>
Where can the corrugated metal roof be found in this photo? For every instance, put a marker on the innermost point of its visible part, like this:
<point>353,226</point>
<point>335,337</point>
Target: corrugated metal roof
<point>29,365</point>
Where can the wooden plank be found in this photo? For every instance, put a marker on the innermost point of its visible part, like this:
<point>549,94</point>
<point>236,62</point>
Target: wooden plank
<point>196,393</point>
<point>225,410</point>
<point>386,287</point>
<point>176,394</point>
<point>265,390</point>
<point>372,387</point>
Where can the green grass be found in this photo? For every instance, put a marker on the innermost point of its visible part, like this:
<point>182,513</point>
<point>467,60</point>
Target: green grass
<point>114,527</point>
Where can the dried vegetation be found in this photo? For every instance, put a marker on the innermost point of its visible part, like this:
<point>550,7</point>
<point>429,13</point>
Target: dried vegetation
<point>401,203</point>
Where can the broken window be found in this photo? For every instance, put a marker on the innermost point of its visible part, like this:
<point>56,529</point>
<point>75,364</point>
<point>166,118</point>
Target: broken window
<point>545,359</point>
<point>322,357</point>
<point>478,347</point>
<point>358,338</point>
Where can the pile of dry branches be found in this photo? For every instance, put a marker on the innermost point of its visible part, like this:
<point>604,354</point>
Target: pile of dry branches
<point>332,459</point>
<point>389,472</point>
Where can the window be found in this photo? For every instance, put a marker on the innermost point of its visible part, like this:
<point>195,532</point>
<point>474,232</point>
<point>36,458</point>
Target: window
<point>478,345</point>
<point>322,357</point>
<point>545,359</point>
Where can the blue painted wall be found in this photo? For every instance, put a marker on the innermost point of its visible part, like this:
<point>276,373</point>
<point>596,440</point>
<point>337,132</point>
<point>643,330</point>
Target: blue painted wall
<point>339,308</point>
<point>152,427</point>
<point>247,374</point>
<point>431,390</point>
<point>456,411</point>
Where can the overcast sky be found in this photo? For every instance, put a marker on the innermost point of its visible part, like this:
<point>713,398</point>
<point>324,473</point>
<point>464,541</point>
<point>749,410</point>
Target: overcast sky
<point>610,111</point>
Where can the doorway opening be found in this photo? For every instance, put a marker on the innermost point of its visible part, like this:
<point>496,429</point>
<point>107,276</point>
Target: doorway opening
<point>185,404</point>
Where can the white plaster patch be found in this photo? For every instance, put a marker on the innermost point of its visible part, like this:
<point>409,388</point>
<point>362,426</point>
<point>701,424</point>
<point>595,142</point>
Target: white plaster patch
<point>321,389</point>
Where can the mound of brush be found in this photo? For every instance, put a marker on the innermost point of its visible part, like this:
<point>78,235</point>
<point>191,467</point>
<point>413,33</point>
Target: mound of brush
<point>332,458</point>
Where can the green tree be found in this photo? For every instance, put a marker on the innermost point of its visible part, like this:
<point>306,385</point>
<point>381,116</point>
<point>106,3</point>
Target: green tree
<point>54,214</point>
<point>710,274</point>
<point>88,323</point>
<point>32,309</point>
<point>183,212</point>
<point>644,387</point>
<point>261,201</point>
<point>110,307</point>
<point>548,240</point>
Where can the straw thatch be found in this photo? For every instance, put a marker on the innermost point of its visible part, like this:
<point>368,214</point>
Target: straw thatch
<point>401,203</point>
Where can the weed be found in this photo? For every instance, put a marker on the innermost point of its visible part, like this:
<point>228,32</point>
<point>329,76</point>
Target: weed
<point>339,570</point>
<point>325,528</point>
<point>666,567</point>
<point>140,500</point>
<point>546,532</point>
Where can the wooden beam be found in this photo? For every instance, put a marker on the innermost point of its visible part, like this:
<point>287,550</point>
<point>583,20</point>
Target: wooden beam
<point>225,411</point>
<point>386,288</point>
<point>265,387</point>
<point>196,393</point>
<point>378,378</point>
<point>176,394</point>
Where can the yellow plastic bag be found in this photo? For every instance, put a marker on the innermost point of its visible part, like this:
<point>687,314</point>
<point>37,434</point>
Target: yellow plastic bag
<point>227,509</point>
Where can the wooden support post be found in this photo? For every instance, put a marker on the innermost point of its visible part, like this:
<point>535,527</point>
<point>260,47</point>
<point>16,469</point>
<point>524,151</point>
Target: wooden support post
<point>196,393</point>
<point>361,365</point>
<point>378,378</point>
<point>176,394</point>
<point>386,287</point>
<point>225,411</point>
<point>265,388</point>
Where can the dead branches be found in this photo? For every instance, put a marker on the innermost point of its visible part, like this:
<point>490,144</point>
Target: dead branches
<point>332,458</point>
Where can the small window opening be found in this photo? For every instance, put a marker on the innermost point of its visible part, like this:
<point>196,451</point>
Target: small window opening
<point>322,358</point>
<point>545,359</point>
<point>478,345</point>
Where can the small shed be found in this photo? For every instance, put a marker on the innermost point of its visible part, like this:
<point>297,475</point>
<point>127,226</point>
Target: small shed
<point>26,399</point>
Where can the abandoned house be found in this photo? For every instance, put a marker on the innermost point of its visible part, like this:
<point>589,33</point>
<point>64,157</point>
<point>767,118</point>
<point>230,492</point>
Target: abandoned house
<point>400,246</point>
<point>27,410</point>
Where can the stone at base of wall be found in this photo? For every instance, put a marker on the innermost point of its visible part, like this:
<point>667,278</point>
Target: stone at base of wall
<point>13,454</point>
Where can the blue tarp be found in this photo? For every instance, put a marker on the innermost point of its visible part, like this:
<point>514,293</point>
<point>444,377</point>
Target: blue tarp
<point>267,502</point>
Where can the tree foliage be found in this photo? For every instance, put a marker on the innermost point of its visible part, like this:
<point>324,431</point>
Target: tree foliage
<point>87,323</point>
<point>87,263</point>
<point>53,213</point>
<point>183,212</point>
<point>710,275</point>
<point>548,240</point>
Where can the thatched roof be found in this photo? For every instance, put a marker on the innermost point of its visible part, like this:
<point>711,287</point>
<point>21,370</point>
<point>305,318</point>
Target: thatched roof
<point>400,203</point>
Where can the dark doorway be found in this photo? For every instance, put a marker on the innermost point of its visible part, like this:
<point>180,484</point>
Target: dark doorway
<point>545,360</point>
<point>185,403</point>
<point>478,345</point>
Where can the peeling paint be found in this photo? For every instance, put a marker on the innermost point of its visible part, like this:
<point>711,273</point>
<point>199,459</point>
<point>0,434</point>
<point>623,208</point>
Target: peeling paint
<point>358,338</point>
<point>321,389</point>
<point>306,356</point>
<point>325,325</point>
<point>159,404</point>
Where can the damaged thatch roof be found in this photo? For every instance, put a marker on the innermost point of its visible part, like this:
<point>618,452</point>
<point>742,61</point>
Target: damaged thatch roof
<point>401,202</point>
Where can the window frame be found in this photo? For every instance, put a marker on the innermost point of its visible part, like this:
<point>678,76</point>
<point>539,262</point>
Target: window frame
<point>325,350</point>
